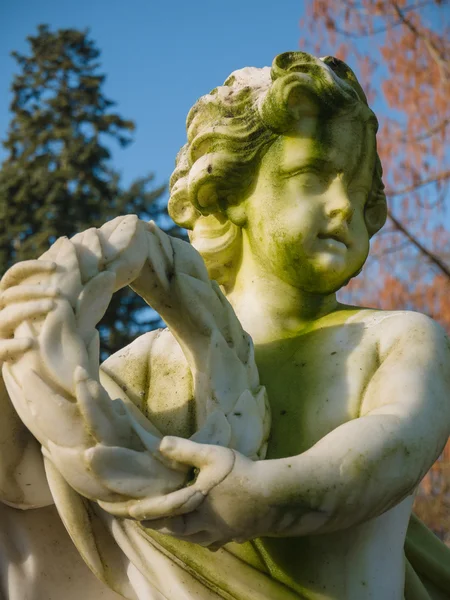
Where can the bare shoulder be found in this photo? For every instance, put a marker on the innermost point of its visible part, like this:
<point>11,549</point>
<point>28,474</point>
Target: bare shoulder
<point>406,331</point>
<point>413,363</point>
<point>391,329</point>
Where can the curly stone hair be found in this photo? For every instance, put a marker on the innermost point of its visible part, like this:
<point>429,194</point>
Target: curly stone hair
<point>230,129</point>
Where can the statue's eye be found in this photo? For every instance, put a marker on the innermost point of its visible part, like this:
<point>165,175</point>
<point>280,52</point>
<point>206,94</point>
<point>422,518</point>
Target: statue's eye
<point>312,182</point>
<point>308,179</point>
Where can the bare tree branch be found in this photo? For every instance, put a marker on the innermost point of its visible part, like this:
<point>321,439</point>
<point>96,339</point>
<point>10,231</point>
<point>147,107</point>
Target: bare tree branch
<point>392,250</point>
<point>363,8</point>
<point>430,45</point>
<point>431,257</point>
<point>365,32</point>
<point>426,134</point>
<point>439,201</point>
<point>445,175</point>
<point>419,5</point>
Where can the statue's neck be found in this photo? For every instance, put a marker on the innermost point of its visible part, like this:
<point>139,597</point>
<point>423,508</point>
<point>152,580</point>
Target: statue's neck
<point>269,308</point>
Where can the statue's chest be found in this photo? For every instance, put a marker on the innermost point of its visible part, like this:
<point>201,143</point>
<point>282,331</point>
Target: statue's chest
<point>315,384</point>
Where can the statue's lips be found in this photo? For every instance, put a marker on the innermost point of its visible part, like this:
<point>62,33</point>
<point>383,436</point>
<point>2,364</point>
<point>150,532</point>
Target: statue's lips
<point>336,240</point>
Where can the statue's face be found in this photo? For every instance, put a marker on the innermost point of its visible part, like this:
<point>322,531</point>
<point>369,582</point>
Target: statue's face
<point>305,217</point>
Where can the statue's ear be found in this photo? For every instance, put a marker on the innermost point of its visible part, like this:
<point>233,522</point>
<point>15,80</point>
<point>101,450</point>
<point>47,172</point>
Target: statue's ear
<point>181,210</point>
<point>375,214</point>
<point>219,241</point>
<point>237,214</point>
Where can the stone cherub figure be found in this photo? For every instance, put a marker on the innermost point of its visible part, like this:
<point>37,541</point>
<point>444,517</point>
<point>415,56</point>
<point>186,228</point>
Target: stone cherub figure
<point>280,188</point>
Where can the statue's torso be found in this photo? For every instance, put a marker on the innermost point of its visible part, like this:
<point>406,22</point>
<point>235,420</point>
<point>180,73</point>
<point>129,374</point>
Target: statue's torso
<point>315,383</point>
<point>316,380</point>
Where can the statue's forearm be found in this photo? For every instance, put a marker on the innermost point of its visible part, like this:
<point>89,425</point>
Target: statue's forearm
<point>22,480</point>
<point>368,465</point>
<point>355,473</point>
<point>54,384</point>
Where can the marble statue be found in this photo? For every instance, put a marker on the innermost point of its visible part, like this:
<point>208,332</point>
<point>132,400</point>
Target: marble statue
<point>266,445</point>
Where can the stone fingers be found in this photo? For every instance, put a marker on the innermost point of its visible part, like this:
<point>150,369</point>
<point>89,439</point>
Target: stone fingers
<point>25,269</point>
<point>21,293</point>
<point>12,349</point>
<point>194,528</point>
<point>214,462</point>
<point>12,316</point>
<point>175,503</point>
<point>19,303</point>
<point>175,526</point>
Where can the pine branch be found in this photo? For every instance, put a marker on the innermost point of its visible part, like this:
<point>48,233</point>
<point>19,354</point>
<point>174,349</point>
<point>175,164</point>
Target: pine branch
<point>57,178</point>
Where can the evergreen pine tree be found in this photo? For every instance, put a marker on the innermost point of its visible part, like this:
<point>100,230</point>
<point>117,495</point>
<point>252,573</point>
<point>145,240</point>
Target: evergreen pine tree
<point>57,178</point>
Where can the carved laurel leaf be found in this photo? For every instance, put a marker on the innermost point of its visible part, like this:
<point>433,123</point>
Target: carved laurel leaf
<point>67,277</point>
<point>216,430</point>
<point>60,347</point>
<point>89,253</point>
<point>103,422</point>
<point>53,416</point>
<point>92,303</point>
<point>246,424</point>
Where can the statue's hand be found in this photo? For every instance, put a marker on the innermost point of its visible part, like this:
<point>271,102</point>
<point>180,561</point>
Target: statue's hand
<point>19,303</point>
<point>227,502</point>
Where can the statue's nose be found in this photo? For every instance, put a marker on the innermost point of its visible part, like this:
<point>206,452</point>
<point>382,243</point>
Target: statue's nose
<point>338,203</point>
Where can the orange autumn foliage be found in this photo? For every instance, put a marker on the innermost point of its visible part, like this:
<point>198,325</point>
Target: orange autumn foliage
<point>400,51</point>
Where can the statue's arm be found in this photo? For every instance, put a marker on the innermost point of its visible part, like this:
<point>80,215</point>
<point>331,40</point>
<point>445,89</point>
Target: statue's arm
<point>22,479</point>
<point>101,442</point>
<point>355,473</point>
<point>23,483</point>
<point>370,464</point>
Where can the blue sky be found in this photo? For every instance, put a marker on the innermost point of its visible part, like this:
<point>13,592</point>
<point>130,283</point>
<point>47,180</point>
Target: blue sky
<point>159,57</point>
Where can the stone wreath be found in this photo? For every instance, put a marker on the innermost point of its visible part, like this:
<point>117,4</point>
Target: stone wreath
<point>105,448</point>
